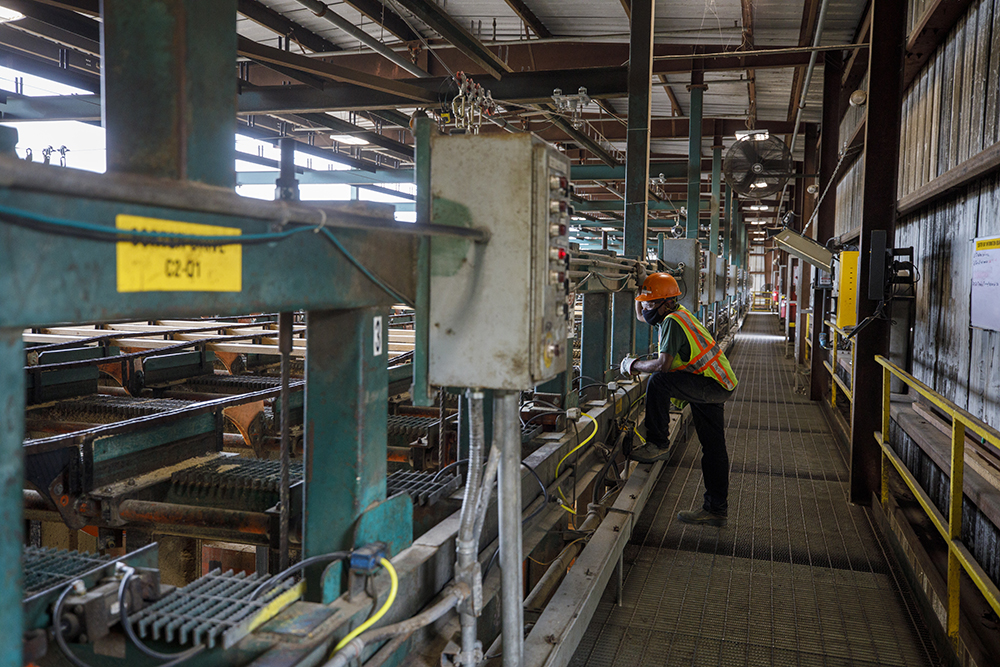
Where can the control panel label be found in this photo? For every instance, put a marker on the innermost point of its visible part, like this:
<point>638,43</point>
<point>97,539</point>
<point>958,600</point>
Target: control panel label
<point>377,336</point>
<point>145,267</point>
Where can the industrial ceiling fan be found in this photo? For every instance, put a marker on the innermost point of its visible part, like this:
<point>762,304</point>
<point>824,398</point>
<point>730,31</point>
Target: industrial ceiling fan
<point>757,165</point>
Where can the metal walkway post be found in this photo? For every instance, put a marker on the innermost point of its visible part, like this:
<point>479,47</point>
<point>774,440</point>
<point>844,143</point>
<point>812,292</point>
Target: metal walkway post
<point>594,346</point>
<point>505,409</point>
<point>697,89</point>
<point>12,472</point>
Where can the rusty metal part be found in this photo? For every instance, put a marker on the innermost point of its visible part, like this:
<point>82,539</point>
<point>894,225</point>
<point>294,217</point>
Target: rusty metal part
<point>148,512</point>
<point>249,420</point>
<point>233,361</point>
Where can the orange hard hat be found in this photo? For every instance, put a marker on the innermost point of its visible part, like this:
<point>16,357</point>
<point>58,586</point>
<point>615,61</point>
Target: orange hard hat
<point>658,286</point>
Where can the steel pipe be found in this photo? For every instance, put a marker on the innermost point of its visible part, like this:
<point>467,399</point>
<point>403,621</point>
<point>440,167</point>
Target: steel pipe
<point>505,409</point>
<point>467,546</point>
<point>321,10</point>
<point>170,514</point>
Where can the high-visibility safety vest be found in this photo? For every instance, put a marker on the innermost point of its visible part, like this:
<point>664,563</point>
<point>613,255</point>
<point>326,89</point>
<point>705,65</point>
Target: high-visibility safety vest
<point>706,355</point>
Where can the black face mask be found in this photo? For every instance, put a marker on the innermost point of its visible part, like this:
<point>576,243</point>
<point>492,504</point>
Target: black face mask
<point>654,316</point>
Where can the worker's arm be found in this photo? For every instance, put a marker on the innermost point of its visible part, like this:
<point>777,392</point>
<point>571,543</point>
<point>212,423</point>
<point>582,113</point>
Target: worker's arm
<point>659,364</point>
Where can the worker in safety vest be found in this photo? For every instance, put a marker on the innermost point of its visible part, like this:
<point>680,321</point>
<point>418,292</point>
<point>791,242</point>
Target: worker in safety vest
<point>690,368</point>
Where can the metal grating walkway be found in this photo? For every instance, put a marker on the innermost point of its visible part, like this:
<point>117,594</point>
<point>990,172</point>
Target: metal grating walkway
<point>799,577</point>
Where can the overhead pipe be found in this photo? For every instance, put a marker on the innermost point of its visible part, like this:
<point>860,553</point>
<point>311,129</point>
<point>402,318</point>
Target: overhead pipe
<point>321,10</point>
<point>805,89</point>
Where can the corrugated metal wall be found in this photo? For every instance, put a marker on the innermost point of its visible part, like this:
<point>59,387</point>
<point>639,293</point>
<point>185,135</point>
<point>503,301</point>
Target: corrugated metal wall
<point>950,113</point>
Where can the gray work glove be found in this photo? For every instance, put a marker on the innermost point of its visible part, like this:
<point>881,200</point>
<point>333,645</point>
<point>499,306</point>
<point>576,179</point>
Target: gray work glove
<point>626,365</point>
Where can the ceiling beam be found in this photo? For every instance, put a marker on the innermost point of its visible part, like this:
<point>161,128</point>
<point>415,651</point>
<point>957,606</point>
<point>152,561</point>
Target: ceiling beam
<point>446,26</point>
<point>90,81</point>
<point>385,17</point>
<point>525,14</point>
<point>265,133</point>
<point>60,18</point>
<point>272,20</point>
<point>374,138</point>
<point>90,7</point>
<point>391,117</point>
<point>47,51</point>
<point>316,67</point>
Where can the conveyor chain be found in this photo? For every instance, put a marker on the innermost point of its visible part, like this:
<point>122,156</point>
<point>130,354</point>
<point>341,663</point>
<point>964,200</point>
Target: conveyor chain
<point>412,426</point>
<point>207,609</point>
<point>45,568</point>
<point>237,473</point>
<point>106,409</point>
<point>422,487</point>
<point>233,383</point>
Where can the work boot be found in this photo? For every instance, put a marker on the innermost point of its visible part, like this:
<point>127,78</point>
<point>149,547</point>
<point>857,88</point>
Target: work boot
<point>702,517</point>
<point>650,453</point>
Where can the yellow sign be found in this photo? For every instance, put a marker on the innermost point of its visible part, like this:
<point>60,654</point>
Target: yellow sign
<point>988,244</point>
<point>146,267</point>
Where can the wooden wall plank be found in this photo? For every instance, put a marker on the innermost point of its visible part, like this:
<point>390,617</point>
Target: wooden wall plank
<point>992,121</point>
<point>984,362</point>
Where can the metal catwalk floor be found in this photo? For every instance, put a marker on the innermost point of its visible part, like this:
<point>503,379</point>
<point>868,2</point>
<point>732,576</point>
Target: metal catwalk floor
<point>798,577</point>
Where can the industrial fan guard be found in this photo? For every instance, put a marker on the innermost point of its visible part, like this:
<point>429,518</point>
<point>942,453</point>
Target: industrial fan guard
<point>757,165</point>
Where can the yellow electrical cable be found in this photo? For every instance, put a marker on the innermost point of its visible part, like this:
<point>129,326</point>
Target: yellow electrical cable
<point>570,453</point>
<point>394,586</point>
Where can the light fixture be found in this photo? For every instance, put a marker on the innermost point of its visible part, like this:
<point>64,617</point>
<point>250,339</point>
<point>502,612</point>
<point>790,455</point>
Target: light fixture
<point>7,15</point>
<point>759,207</point>
<point>348,139</point>
<point>858,98</point>
<point>759,184</point>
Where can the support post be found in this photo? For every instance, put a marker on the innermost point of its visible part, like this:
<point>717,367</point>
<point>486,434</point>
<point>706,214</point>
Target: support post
<point>697,90</point>
<point>885,67</point>
<point>169,105</point>
<point>640,76</point>
<point>594,337</point>
<point>622,319</point>
<point>345,430</point>
<point>808,206</point>
<point>832,69</point>
<point>509,499</point>
<point>420,391</point>
<point>715,201</point>
<point>12,390</point>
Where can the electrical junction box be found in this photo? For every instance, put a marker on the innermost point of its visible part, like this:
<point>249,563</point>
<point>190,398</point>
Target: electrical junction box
<point>732,280</point>
<point>688,253</point>
<point>708,261</point>
<point>499,311</point>
<point>720,278</point>
<point>846,288</point>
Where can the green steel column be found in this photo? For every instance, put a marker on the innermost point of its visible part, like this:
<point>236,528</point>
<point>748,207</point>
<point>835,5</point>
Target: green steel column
<point>594,337</point>
<point>347,394</point>
<point>640,77</point>
<point>420,391</point>
<point>660,238</point>
<point>727,235</point>
<point>622,319</point>
<point>12,477</point>
<point>697,89</point>
<point>715,201</point>
<point>168,89</point>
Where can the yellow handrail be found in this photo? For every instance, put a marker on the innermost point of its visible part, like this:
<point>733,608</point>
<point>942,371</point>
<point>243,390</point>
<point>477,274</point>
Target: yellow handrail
<point>959,557</point>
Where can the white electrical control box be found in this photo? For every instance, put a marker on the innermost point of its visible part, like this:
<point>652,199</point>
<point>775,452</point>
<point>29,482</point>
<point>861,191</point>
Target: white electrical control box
<point>688,253</point>
<point>499,311</point>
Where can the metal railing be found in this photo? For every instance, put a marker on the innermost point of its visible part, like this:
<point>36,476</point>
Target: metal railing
<point>831,366</point>
<point>959,556</point>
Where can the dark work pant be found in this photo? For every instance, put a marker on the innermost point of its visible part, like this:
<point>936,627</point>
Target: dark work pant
<point>706,397</point>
